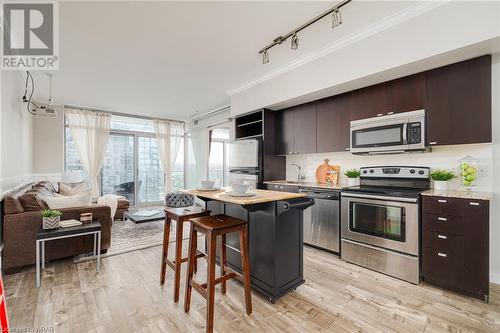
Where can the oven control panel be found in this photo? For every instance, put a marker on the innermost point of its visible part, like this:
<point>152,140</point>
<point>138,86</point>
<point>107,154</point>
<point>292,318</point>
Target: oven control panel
<point>394,172</point>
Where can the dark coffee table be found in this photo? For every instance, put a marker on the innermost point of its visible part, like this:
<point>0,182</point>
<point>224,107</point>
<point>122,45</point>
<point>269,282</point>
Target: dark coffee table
<point>137,219</point>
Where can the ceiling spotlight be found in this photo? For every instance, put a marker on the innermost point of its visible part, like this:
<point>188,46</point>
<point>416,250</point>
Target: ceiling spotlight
<point>295,42</point>
<point>265,57</point>
<point>336,18</point>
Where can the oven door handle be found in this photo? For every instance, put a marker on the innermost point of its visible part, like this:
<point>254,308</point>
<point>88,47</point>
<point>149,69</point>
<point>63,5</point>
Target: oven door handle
<point>378,197</point>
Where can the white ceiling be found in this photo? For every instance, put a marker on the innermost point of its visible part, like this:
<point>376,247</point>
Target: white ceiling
<point>172,59</point>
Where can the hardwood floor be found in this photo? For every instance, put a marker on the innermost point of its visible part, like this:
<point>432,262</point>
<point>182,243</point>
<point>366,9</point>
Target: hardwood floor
<point>126,296</point>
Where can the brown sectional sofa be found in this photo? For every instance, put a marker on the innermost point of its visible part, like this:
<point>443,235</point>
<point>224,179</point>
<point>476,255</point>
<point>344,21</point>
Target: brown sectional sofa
<point>22,219</point>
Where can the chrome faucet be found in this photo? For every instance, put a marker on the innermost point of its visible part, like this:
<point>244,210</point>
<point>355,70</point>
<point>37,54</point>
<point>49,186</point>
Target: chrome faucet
<point>300,176</point>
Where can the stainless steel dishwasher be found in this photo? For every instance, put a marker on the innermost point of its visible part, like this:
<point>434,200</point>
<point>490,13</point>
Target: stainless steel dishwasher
<point>321,221</point>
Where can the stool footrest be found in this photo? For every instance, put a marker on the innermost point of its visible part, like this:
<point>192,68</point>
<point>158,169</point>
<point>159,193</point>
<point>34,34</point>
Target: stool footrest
<point>221,279</point>
<point>171,263</point>
<point>234,274</point>
<point>198,287</point>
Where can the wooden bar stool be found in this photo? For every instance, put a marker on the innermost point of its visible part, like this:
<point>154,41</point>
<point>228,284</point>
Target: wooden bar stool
<point>181,215</point>
<point>211,227</point>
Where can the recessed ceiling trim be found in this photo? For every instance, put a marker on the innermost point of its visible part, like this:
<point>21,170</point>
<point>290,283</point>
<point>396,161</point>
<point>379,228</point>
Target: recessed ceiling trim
<point>389,22</point>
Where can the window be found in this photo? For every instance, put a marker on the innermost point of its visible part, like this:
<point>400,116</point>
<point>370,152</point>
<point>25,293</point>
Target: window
<point>217,164</point>
<point>71,156</point>
<point>132,166</point>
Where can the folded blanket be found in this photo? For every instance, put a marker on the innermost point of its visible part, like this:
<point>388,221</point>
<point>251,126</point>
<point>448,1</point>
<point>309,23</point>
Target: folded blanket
<point>110,200</point>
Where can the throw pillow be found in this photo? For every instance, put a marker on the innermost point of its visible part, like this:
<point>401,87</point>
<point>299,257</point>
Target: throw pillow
<point>32,202</point>
<point>69,201</point>
<point>73,189</point>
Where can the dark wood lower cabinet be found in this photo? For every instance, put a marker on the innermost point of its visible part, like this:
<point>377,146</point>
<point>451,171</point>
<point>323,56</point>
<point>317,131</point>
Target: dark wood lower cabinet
<point>455,245</point>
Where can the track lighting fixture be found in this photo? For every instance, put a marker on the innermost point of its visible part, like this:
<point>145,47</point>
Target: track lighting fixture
<point>294,45</point>
<point>336,18</point>
<point>295,42</point>
<point>265,57</point>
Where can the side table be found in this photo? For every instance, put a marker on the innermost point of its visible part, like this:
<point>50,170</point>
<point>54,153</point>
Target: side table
<point>43,236</point>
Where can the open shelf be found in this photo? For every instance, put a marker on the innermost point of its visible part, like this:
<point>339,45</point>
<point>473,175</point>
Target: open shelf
<point>249,126</point>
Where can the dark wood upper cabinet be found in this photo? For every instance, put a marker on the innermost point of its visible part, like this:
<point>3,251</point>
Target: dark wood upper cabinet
<point>400,95</point>
<point>405,94</point>
<point>284,132</point>
<point>369,102</point>
<point>304,123</point>
<point>332,123</point>
<point>459,103</point>
<point>296,130</point>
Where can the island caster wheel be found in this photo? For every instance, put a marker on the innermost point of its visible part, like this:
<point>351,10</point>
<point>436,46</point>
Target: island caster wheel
<point>272,300</point>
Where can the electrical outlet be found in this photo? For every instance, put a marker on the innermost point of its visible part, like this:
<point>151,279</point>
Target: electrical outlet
<point>482,172</point>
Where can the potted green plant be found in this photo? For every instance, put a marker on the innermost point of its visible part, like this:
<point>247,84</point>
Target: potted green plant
<point>441,179</point>
<point>51,219</point>
<point>352,176</point>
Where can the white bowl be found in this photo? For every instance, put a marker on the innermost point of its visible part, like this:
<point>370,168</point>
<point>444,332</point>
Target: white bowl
<point>207,184</point>
<point>240,188</point>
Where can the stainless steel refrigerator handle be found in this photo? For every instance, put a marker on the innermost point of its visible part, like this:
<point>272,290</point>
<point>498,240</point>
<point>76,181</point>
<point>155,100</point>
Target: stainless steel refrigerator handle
<point>405,133</point>
<point>377,197</point>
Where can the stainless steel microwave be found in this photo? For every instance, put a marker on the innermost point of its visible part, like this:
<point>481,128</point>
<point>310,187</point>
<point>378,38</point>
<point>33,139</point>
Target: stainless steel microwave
<point>395,133</point>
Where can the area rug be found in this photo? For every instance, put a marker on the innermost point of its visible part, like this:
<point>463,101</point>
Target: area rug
<point>127,236</point>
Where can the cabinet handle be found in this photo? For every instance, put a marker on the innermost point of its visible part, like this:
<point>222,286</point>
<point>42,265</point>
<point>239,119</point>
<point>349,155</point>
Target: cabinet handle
<point>472,203</point>
<point>442,254</point>
<point>282,187</point>
<point>295,152</point>
<point>348,148</point>
<point>433,143</point>
<point>290,152</point>
<point>379,114</point>
<point>442,201</point>
<point>442,219</point>
<point>390,112</point>
<point>442,237</point>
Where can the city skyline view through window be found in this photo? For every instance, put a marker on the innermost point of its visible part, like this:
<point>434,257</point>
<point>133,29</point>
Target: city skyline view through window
<point>132,165</point>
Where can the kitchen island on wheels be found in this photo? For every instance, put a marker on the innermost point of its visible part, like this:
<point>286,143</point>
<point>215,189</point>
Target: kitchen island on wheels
<point>275,236</point>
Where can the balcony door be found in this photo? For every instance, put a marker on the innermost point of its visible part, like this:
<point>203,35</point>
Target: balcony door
<point>132,168</point>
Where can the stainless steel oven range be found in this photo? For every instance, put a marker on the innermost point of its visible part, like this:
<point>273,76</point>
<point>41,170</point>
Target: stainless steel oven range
<point>380,220</point>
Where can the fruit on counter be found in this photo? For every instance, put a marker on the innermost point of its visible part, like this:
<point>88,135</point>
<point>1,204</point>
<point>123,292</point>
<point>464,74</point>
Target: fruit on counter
<point>468,172</point>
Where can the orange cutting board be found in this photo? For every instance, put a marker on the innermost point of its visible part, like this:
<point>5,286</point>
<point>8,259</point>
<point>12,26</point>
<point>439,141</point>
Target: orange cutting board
<point>327,173</point>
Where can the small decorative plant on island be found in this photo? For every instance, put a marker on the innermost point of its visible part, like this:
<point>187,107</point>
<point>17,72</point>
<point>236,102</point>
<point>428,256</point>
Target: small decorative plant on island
<point>51,219</point>
<point>441,178</point>
<point>352,176</point>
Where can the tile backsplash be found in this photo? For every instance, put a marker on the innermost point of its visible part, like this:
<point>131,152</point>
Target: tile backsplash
<point>440,158</point>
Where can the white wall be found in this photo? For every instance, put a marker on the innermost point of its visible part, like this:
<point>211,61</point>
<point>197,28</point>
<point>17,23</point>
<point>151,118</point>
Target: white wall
<point>15,133</point>
<point>440,158</point>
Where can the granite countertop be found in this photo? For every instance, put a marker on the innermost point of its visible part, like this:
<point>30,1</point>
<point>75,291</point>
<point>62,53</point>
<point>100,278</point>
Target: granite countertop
<point>476,195</point>
<point>261,197</point>
<point>304,184</point>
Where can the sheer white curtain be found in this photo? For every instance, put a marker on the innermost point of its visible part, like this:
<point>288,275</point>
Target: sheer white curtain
<point>197,159</point>
<point>90,132</point>
<point>169,135</point>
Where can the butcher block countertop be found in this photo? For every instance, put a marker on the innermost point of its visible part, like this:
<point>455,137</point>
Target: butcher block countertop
<point>261,197</point>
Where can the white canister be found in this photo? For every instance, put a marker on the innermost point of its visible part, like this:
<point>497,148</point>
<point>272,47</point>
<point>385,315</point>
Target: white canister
<point>440,185</point>
<point>352,181</point>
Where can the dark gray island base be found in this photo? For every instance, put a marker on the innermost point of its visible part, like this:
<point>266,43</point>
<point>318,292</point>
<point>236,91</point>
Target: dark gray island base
<point>274,241</point>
